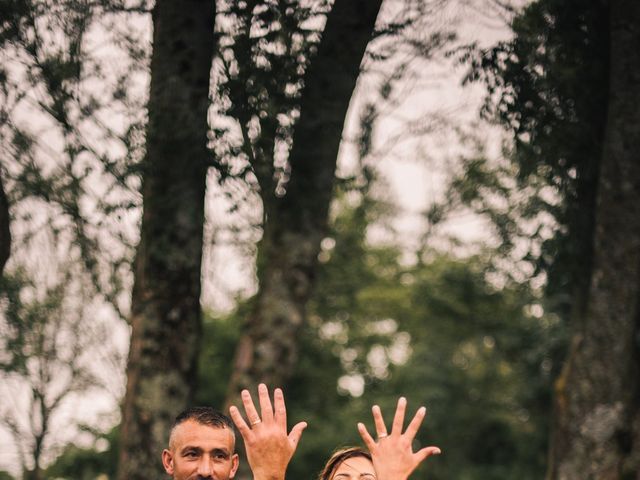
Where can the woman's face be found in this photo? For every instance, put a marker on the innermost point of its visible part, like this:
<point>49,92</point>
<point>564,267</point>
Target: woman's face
<point>355,468</point>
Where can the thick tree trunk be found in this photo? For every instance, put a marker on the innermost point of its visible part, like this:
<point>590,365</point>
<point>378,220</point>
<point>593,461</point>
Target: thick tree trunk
<point>296,223</point>
<point>166,315</point>
<point>597,424</point>
<point>5,232</point>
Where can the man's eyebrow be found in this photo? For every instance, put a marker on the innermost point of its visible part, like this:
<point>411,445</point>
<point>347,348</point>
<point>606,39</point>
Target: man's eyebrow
<point>191,448</point>
<point>220,451</point>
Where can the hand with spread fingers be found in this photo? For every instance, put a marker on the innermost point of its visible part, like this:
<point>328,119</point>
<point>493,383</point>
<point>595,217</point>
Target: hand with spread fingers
<point>269,447</point>
<point>392,455</point>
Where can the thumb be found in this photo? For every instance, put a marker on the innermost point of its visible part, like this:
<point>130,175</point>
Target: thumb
<point>426,452</point>
<point>296,432</point>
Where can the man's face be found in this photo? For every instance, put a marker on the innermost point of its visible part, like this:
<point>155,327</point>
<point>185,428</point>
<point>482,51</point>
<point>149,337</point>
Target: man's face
<point>200,452</point>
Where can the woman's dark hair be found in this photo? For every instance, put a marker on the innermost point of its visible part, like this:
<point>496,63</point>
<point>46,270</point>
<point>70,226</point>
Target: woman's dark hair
<point>340,456</point>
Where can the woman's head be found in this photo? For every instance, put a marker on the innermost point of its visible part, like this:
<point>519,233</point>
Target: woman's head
<point>351,463</point>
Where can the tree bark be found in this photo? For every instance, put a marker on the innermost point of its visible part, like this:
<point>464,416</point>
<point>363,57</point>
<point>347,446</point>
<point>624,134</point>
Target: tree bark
<point>165,310</point>
<point>597,420</point>
<point>296,223</point>
<point>5,232</point>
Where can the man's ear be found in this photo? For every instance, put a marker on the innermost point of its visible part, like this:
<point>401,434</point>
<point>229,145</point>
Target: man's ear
<point>167,461</point>
<point>235,461</point>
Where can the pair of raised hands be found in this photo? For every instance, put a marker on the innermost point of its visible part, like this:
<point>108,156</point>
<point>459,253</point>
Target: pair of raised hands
<point>269,447</point>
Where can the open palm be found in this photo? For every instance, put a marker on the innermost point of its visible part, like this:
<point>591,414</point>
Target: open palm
<point>392,454</point>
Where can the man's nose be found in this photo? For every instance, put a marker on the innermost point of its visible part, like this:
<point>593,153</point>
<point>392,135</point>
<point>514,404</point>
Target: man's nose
<point>205,469</point>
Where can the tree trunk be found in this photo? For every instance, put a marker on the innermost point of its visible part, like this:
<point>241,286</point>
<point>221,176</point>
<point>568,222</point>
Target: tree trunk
<point>5,232</point>
<point>597,420</point>
<point>296,223</point>
<point>165,309</point>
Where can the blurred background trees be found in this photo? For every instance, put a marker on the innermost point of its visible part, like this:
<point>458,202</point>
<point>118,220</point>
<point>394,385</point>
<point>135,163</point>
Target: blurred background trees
<point>275,136</point>
<point>165,303</point>
<point>295,195</point>
<point>559,86</point>
<point>48,338</point>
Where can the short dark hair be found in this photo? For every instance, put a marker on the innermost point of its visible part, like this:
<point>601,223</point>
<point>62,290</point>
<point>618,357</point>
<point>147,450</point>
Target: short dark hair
<point>340,456</point>
<point>204,416</point>
<point>208,416</point>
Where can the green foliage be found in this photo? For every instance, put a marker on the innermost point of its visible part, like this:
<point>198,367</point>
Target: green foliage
<point>82,463</point>
<point>54,88</point>
<point>481,358</point>
<point>260,82</point>
<point>483,365</point>
<point>40,330</point>
<point>44,348</point>
<point>219,339</point>
<point>548,87</point>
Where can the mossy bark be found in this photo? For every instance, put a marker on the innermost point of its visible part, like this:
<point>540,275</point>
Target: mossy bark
<point>597,420</point>
<point>296,223</point>
<point>165,310</point>
<point>5,232</point>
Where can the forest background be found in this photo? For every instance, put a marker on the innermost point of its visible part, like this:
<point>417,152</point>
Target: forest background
<point>351,199</point>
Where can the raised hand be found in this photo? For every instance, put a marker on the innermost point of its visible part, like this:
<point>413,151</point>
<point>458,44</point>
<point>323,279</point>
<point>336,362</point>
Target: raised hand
<point>269,447</point>
<point>392,455</point>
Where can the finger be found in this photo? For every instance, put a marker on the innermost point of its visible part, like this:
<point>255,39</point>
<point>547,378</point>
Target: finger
<point>381,429</point>
<point>425,453</point>
<point>414,426</point>
<point>241,425</point>
<point>366,437</point>
<point>398,418</point>
<point>280,409</point>
<point>249,408</point>
<point>265,403</point>
<point>296,432</point>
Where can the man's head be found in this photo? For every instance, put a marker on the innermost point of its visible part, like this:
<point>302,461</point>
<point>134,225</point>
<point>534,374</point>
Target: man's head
<point>201,446</point>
